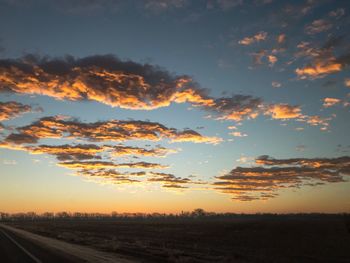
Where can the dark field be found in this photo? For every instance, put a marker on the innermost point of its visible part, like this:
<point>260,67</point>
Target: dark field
<point>243,239</point>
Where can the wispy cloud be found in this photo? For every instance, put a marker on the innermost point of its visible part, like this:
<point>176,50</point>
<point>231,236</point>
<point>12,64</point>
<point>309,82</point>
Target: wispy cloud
<point>337,13</point>
<point>276,84</point>
<point>318,26</point>
<point>238,134</point>
<point>260,36</point>
<point>329,102</point>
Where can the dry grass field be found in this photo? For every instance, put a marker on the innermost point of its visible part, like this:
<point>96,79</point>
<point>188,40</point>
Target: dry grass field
<point>243,239</point>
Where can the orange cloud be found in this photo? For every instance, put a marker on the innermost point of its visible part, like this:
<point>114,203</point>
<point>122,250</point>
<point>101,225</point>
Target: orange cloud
<point>105,79</point>
<point>272,59</point>
<point>261,183</point>
<point>111,176</point>
<point>317,121</point>
<point>105,164</point>
<point>281,38</point>
<point>12,109</point>
<point>347,82</point>
<point>238,134</point>
<point>319,69</point>
<point>329,102</point>
<point>117,83</point>
<point>193,136</point>
<point>115,177</point>
<point>113,130</point>
<point>68,152</point>
<point>283,111</point>
<point>127,150</point>
<point>123,84</point>
<point>323,60</point>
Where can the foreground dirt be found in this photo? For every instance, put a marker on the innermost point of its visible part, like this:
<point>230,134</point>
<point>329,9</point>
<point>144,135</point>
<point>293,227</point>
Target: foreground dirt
<point>257,240</point>
<point>77,253</point>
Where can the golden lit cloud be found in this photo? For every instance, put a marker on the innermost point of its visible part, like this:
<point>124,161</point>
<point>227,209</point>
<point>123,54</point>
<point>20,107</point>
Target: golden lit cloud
<point>105,164</point>
<point>319,69</point>
<point>329,102</point>
<point>283,111</point>
<point>112,130</point>
<point>88,151</point>
<point>272,59</point>
<point>261,182</point>
<point>347,82</point>
<point>123,84</point>
<point>120,150</point>
<point>12,109</point>
<point>111,176</point>
<point>317,121</point>
<point>105,79</point>
<point>238,134</point>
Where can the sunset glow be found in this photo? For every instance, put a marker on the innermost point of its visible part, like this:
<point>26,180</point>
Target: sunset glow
<point>168,106</point>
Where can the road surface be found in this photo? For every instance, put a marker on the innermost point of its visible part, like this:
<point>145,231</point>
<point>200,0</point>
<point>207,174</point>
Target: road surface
<point>16,249</point>
<point>19,246</point>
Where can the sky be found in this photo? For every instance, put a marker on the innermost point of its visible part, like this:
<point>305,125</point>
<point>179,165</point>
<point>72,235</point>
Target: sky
<point>172,105</point>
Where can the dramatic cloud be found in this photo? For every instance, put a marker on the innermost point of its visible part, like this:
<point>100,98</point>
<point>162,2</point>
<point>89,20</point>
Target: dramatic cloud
<point>113,130</point>
<point>329,102</point>
<point>12,109</point>
<point>105,79</point>
<point>117,83</point>
<point>264,182</point>
<point>318,26</point>
<point>261,36</point>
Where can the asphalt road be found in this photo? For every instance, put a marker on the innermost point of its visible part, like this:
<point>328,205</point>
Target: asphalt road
<point>16,249</point>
